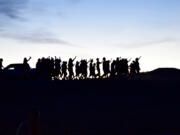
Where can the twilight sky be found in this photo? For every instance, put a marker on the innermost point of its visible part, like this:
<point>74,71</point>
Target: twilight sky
<point>91,28</point>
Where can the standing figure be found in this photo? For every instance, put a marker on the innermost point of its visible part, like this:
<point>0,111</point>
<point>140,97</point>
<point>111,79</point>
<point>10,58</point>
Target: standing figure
<point>77,70</point>
<point>57,68</point>
<point>92,69</point>
<point>38,68</point>
<point>25,62</point>
<point>1,66</point>
<point>106,67</point>
<point>125,70</point>
<point>137,67</point>
<point>132,69</point>
<point>51,67</point>
<point>98,67</point>
<point>83,67</point>
<point>64,70</point>
<point>113,69</point>
<point>26,67</point>
<point>70,68</point>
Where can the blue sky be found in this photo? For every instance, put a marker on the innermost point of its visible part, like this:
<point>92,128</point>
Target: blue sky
<point>91,28</point>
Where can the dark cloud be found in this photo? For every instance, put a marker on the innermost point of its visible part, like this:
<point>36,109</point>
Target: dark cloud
<point>12,8</point>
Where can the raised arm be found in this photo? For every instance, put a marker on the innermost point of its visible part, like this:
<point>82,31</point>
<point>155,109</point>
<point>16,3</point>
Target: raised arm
<point>129,59</point>
<point>29,58</point>
<point>74,58</point>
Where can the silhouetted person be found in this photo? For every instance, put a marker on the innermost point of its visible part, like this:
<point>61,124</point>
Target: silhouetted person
<point>132,69</point>
<point>38,68</point>
<point>25,61</point>
<point>57,68</point>
<point>83,69</point>
<point>1,66</point>
<point>98,67</point>
<point>64,70</point>
<point>113,69</point>
<point>38,64</point>
<point>106,67</point>
<point>124,67</point>
<point>77,70</point>
<point>70,68</point>
<point>137,67</point>
<point>51,67</point>
<point>26,67</point>
<point>92,69</point>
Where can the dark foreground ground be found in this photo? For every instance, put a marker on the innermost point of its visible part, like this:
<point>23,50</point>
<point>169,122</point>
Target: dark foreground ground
<point>92,107</point>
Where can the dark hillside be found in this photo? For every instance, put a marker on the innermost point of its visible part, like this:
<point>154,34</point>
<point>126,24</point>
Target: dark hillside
<point>162,74</point>
<point>92,107</point>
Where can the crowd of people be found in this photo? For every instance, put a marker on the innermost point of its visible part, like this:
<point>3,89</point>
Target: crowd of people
<point>56,69</point>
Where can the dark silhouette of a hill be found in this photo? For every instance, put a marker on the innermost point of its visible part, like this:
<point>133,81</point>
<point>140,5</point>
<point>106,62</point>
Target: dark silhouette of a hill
<point>148,104</point>
<point>161,74</point>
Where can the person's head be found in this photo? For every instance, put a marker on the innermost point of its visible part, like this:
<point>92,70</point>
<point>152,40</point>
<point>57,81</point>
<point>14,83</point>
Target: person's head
<point>39,60</point>
<point>25,60</point>
<point>1,60</point>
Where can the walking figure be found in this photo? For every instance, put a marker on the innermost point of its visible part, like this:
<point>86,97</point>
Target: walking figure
<point>92,69</point>
<point>113,69</point>
<point>106,67</point>
<point>137,67</point>
<point>70,68</point>
<point>134,67</point>
<point>57,68</point>
<point>83,69</point>
<point>98,67</point>
<point>77,70</point>
<point>64,70</point>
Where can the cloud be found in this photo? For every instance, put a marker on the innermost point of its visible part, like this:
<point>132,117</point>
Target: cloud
<point>162,41</point>
<point>148,43</point>
<point>36,37</point>
<point>30,31</point>
<point>12,8</point>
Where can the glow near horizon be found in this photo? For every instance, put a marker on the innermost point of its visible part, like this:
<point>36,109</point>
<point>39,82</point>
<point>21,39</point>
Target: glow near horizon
<point>110,28</point>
